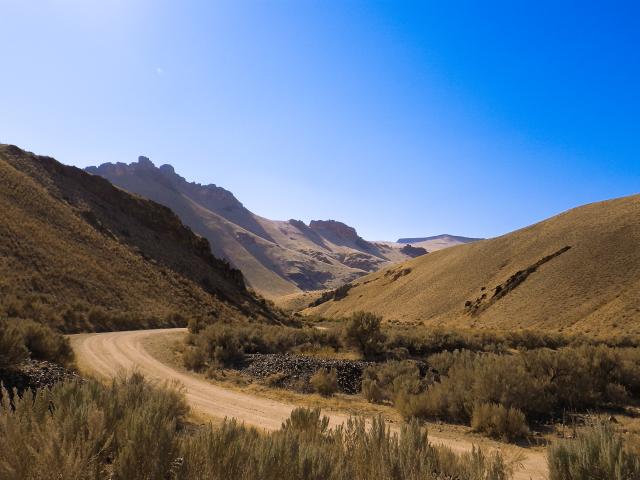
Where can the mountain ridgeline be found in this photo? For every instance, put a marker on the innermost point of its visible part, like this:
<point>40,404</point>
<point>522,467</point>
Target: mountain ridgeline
<point>276,257</point>
<point>80,253</point>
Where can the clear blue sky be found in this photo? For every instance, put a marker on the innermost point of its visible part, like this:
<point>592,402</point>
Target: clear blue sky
<point>401,119</point>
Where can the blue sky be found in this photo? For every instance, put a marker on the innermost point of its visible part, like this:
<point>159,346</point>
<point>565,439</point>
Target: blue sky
<point>399,118</point>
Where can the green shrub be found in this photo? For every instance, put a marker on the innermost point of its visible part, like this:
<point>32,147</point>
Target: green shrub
<point>597,453</point>
<point>496,421</point>
<point>362,331</point>
<point>325,382</point>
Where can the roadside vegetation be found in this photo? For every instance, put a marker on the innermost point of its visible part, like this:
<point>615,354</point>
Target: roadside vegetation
<point>598,452</point>
<point>501,384</point>
<point>78,316</point>
<point>133,430</point>
<point>23,339</point>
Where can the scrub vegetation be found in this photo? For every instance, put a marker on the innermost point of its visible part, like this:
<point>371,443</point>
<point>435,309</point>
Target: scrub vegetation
<point>501,384</point>
<point>133,430</point>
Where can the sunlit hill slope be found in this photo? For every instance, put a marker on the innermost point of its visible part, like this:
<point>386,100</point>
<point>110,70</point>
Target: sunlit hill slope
<point>577,271</point>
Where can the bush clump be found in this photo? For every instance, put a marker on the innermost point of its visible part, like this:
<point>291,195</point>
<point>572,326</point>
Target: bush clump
<point>496,421</point>
<point>597,452</point>
<point>22,339</point>
<point>325,382</point>
<point>387,381</point>
<point>363,332</point>
<point>539,383</point>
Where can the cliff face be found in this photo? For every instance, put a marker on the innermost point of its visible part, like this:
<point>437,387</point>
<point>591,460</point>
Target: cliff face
<point>276,257</point>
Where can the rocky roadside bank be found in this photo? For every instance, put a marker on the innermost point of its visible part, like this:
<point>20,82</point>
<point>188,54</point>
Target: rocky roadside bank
<point>35,374</point>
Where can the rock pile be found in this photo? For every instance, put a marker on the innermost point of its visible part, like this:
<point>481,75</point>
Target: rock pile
<point>294,371</point>
<point>35,374</point>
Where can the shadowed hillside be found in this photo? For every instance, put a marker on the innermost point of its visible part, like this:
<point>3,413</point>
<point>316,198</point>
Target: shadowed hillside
<point>577,271</point>
<point>79,253</point>
<point>276,257</point>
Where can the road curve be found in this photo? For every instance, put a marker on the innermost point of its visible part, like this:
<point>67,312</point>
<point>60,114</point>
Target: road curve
<point>110,354</point>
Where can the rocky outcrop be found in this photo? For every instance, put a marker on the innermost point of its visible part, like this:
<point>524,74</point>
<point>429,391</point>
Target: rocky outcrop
<point>294,371</point>
<point>34,375</point>
<point>412,251</point>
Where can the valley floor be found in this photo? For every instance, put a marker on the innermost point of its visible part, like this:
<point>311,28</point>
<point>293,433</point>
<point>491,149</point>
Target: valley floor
<point>107,355</point>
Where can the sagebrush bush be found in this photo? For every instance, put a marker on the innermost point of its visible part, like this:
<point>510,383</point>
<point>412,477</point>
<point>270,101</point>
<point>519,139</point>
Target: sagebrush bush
<point>193,358</point>
<point>540,383</point>
<point>74,430</point>
<point>363,332</point>
<point>384,382</point>
<point>496,421</point>
<point>134,431</point>
<point>325,382</point>
<point>596,453</point>
<point>306,448</point>
<point>21,339</point>
<point>12,347</point>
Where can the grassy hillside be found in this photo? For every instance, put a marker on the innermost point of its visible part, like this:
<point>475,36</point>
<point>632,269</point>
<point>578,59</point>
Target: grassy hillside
<point>79,253</point>
<point>578,271</point>
<point>277,257</point>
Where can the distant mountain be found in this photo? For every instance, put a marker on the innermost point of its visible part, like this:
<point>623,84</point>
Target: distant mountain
<point>578,271</point>
<point>437,242</point>
<point>276,257</point>
<point>82,254</point>
<point>444,236</point>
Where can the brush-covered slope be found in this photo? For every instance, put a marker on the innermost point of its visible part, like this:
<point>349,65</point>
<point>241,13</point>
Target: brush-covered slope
<point>77,250</point>
<point>276,257</point>
<point>577,271</point>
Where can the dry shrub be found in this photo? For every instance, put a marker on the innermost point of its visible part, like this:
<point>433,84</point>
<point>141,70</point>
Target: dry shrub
<point>363,332</point>
<point>20,339</point>
<point>386,381</point>
<point>539,383</point>
<point>193,358</point>
<point>496,421</point>
<point>597,453</point>
<point>325,382</point>
<point>12,347</point>
<point>75,430</point>
<point>131,430</point>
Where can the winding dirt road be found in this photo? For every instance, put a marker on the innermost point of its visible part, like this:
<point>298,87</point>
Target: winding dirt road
<point>113,353</point>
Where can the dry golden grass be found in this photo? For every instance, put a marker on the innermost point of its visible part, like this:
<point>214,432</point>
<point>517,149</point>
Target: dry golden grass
<point>71,242</point>
<point>591,287</point>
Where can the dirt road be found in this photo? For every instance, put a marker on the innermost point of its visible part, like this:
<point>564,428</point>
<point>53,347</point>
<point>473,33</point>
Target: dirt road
<point>108,354</point>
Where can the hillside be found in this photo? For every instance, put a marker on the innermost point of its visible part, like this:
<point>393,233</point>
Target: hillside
<point>578,271</point>
<point>276,257</point>
<point>82,254</point>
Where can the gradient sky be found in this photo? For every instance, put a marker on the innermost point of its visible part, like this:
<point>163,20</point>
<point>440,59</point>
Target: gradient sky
<point>399,118</point>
